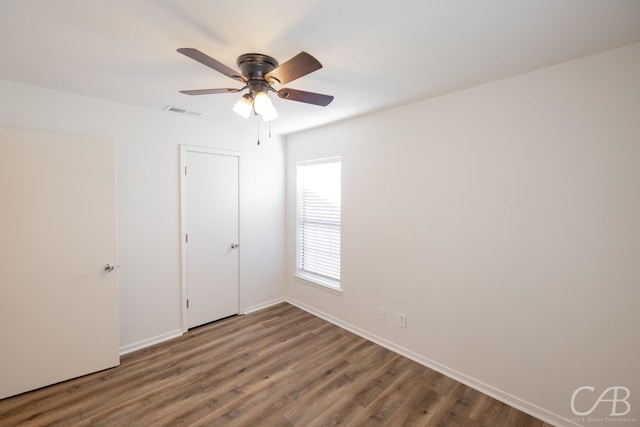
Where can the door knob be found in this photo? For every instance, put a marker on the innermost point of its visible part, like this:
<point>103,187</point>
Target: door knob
<point>109,268</point>
<point>234,246</point>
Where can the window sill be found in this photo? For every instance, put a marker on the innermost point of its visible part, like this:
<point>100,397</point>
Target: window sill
<point>325,286</point>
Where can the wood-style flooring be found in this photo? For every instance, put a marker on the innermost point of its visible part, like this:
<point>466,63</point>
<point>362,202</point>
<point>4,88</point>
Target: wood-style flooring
<point>276,367</point>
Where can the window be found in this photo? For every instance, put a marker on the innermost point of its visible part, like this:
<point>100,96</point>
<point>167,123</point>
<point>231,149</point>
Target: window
<point>319,206</point>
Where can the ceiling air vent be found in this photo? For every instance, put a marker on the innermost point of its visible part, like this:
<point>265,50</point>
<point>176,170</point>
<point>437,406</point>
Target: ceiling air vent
<point>183,111</point>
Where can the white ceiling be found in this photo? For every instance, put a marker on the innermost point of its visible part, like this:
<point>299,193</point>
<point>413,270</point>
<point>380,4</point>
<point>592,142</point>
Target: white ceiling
<point>376,53</point>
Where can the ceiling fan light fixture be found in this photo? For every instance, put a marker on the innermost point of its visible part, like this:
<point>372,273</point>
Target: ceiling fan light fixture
<point>262,103</point>
<point>270,113</point>
<point>244,106</point>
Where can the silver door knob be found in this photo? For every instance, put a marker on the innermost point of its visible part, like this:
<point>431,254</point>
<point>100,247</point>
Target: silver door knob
<point>109,268</point>
<point>234,246</point>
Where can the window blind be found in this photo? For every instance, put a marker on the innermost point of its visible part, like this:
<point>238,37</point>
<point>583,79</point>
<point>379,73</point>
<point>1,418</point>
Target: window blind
<point>319,222</point>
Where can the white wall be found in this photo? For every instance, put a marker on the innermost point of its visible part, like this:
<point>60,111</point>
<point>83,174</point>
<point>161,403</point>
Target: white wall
<point>147,146</point>
<point>504,220</point>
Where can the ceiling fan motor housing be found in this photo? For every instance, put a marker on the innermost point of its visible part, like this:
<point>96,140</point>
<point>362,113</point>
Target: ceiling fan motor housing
<point>255,66</point>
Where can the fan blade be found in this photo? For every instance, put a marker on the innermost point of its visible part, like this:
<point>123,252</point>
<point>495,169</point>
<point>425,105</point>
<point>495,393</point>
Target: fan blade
<point>308,97</point>
<point>298,66</point>
<point>196,55</point>
<point>209,91</point>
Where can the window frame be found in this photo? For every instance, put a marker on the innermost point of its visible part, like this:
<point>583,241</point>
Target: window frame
<point>308,277</point>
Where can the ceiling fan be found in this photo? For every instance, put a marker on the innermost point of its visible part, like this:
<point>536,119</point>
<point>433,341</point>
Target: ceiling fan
<point>259,73</point>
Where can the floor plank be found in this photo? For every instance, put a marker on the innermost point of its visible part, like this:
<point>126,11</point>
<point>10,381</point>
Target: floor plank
<point>277,367</point>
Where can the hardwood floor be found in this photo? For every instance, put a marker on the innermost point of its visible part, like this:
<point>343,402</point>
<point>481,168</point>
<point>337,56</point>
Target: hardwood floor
<point>277,367</point>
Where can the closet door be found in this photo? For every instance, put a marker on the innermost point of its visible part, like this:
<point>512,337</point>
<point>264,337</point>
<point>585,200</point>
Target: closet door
<point>212,220</point>
<point>58,266</point>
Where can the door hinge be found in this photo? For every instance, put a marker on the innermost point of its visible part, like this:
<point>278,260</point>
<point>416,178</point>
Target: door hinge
<point>187,303</point>
<point>186,237</point>
<point>185,171</point>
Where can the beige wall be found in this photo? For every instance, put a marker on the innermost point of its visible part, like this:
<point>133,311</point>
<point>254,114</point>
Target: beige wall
<point>504,220</point>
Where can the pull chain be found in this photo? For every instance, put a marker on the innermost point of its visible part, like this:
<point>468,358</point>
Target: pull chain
<point>259,130</point>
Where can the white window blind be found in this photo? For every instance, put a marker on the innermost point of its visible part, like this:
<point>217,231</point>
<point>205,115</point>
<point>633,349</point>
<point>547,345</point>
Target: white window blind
<point>319,208</point>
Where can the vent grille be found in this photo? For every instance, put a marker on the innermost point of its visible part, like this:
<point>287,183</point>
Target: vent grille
<point>179,110</point>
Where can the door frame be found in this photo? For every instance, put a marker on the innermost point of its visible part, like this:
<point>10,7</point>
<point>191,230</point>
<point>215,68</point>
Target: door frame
<point>184,149</point>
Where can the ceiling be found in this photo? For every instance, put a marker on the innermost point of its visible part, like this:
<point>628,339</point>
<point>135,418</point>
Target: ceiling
<point>376,53</point>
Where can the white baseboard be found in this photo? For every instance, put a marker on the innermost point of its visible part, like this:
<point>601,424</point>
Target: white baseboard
<point>174,334</point>
<point>149,342</point>
<point>262,305</point>
<point>524,406</point>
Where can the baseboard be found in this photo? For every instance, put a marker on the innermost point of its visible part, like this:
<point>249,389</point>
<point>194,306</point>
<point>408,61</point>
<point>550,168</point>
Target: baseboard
<point>174,334</point>
<point>149,342</point>
<point>262,305</point>
<point>524,406</point>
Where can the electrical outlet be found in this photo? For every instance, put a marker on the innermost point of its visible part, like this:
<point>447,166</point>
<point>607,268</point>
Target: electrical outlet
<point>382,314</point>
<point>402,320</point>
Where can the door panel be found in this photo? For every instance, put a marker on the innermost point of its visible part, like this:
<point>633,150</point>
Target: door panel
<point>58,307</point>
<point>212,227</point>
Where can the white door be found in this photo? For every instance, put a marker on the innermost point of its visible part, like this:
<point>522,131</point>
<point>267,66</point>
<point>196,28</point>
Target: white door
<point>58,305</point>
<point>212,236</point>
